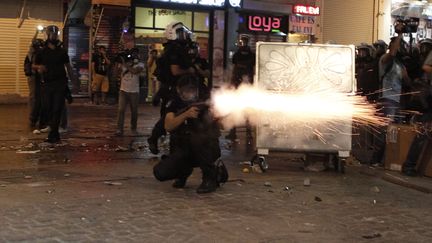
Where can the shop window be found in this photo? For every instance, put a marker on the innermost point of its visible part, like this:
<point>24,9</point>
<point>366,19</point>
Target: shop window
<point>144,33</point>
<point>201,21</point>
<point>166,16</point>
<point>144,17</point>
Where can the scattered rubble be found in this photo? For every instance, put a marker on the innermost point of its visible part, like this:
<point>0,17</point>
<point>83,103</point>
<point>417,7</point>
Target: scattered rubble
<point>306,182</point>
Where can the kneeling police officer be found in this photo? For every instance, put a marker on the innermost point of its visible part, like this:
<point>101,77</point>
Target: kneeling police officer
<point>194,138</point>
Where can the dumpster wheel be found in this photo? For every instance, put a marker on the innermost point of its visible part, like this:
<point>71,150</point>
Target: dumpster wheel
<point>261,161</point>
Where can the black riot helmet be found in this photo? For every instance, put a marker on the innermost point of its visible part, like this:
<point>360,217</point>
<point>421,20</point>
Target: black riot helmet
<point>188,89</point>
<point>52,33</point>
<point>425,46</point>
<point>365,52</point>
<point>243,41</point>
<point>380,48</point>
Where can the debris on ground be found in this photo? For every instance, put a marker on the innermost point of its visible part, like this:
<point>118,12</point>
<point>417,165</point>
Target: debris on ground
<point>256,169</point>
<point>40,184</point>
<point>375,189</point>
<point>28,177</point>
<point>245,170</point>
<point>315,167</point>
<point>121,149</point>
<point>113,183</point>
<point>306,182</point>
<point>373,236</point>
<point>245,163</point>
<point>318,199</point>
<point>50,191</point>
<point>27,151</point>
<point>267,184</point>
<point>309,224</point>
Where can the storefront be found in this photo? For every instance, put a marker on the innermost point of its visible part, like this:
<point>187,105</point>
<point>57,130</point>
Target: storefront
<point>206,19</point>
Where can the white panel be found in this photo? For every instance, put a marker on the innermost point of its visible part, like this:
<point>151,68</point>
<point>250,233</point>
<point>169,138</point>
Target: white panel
<point>296,69</point>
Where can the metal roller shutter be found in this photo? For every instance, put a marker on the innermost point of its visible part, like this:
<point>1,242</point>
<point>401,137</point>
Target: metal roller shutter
<point>348,21</point>
<point>13,49</point>
<point>8,56</point>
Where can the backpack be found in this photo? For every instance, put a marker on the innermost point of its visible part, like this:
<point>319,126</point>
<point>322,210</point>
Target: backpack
<point>27,67</point>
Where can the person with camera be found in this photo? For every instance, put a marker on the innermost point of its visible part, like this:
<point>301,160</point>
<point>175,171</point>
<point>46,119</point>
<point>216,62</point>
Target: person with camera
<point>394,76</point>
<point>173,63</point>
<point>131,67</point>
<point>54,66</point>
<point>194,138</point>
<point>100,83</point>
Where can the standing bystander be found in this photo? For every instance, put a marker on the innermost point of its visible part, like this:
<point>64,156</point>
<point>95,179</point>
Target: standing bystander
<point>100,83</point>
<point>129,91</point>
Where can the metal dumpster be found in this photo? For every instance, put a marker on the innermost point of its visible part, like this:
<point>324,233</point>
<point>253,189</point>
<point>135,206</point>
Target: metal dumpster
<point>302,68</point>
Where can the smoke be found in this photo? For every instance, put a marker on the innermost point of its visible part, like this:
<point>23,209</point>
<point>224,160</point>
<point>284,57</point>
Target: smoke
<point>279,109</point>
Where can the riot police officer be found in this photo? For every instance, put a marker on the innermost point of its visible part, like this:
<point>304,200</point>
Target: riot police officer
<point>367,71</point>
<point>243,71</point>
<point>34,83</point>
<point>194,137</point>
<point>380,48</point>
<point>52,63</point>
<point>174,63</point>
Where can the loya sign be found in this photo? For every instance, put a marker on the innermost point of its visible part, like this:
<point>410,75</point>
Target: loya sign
<point>265,23</point>
<point>306,10</point>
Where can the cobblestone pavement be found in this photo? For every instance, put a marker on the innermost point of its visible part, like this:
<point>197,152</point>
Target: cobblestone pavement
<point>97,188</point>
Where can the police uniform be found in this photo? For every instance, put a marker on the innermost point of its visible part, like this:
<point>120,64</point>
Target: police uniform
<point>195,143</point>
<point>244,63</point>
<point>34,84</point>
<point>54,85</point>
<point>175,54</point>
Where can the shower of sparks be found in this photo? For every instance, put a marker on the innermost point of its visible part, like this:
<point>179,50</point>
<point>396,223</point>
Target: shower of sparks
<point>293,108</point>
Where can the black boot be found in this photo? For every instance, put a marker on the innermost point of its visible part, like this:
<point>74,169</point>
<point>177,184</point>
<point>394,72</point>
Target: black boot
<point>179,183</point>
<point>153,146</point>
<point>207,186</point>
<point>209,182</point>
<point>409,171</point>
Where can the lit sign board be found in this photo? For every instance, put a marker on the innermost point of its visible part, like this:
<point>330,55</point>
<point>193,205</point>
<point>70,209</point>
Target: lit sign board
<point>215,3</point>
<point>306,10</point>
<point>264,23</point>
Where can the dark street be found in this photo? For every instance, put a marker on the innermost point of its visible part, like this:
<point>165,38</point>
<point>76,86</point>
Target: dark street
<point>98,187</point>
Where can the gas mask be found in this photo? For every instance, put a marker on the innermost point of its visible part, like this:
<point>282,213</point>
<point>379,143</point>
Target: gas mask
<point>52,33</point>
<point>187,89</point>
<point>188,94</point>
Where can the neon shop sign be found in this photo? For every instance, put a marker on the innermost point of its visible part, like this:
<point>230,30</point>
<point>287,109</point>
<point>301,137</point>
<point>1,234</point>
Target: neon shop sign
<point>267,24</point>
<point>306,10</point>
